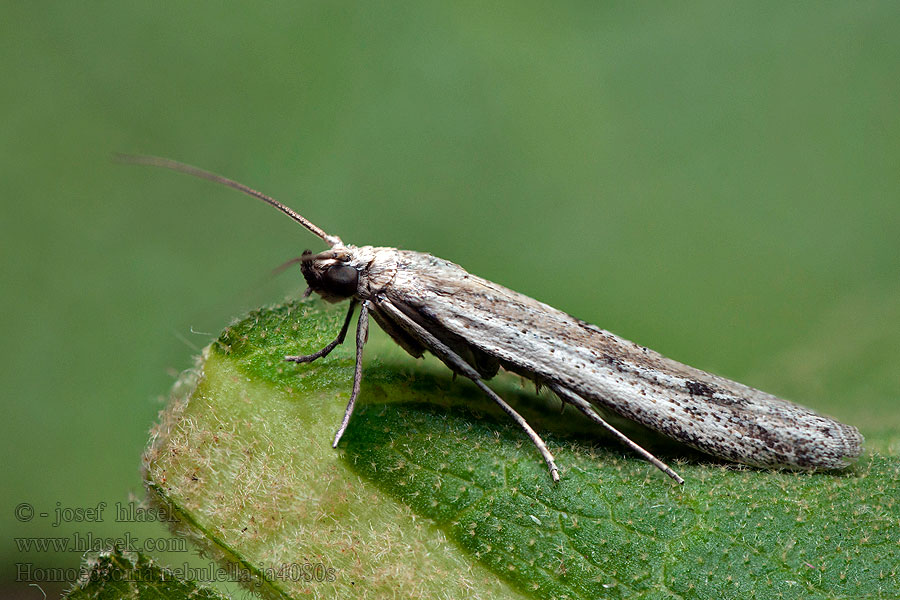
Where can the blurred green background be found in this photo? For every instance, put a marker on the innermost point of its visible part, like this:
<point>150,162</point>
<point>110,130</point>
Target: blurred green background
<point>718,181</point>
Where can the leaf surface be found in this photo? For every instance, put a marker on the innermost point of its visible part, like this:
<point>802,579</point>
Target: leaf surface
<point>432,493</point>
<point>117,575</point>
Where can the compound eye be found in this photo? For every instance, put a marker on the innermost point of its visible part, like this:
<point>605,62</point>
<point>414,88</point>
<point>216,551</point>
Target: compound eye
<point>341,280</point>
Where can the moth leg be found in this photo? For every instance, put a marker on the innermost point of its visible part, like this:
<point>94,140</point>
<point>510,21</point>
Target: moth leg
<point>362,334</point>
<point>442,351</point>
<point>334,343</point>
<point>567,395</point>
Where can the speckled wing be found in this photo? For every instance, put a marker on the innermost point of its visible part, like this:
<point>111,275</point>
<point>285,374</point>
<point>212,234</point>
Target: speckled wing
<point>491,326</point>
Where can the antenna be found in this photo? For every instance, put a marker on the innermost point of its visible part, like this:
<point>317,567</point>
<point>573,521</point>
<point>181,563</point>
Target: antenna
<point>167,163</point>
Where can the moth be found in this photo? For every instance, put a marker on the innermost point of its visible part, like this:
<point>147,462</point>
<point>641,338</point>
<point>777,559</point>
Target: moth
<point>476,327</point>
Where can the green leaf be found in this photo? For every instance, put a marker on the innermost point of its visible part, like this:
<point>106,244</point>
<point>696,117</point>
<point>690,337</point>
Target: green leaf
<point>117,575</point>
<point>243,459</point>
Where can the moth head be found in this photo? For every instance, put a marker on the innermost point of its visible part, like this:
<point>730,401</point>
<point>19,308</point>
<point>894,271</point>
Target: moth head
<point>330,274</point>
